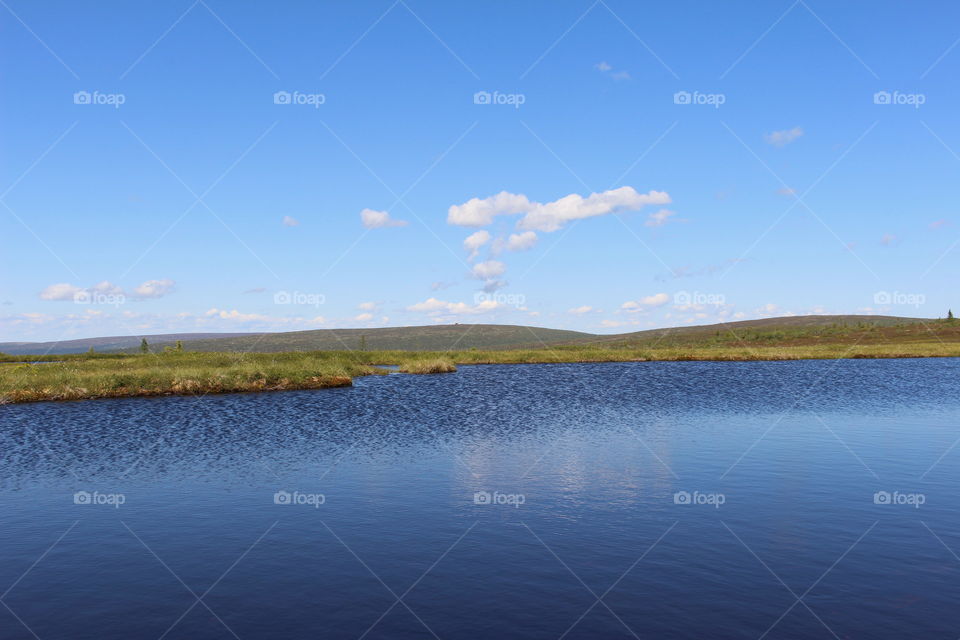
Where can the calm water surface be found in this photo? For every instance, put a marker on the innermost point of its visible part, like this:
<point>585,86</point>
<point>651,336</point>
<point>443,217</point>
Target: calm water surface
<point>652,500</point>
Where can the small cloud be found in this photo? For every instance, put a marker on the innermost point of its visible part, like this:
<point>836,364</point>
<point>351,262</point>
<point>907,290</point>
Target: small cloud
<point>579,311</point>
<point>289,221</point>
<point>474,241</point>
<point>367,306</point>
<point>489,270</point>
<point>888,239</point>
<point>659,218</point>
<point>364,317</point>
<point>606,69</point>
<point>646,303</point>
<point>435,307</point>
<point>787,191</point>
<point>939,224</point>
<point>440,286</point>
<point>521,241</point>
<point>154,288</point>
<point>372,219</point>
<point>784,137</point>
<point>60,291</point>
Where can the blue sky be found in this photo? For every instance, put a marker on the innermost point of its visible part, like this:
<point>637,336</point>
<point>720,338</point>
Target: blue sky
<point>203,202</point>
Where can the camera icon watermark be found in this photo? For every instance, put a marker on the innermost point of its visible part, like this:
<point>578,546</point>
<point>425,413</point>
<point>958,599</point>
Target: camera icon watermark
<point>96,297</point>
<point>517,300</point>
<point>914,100</point>
<point>915,300</point>
<point>299,498</point>
<point>96,498</point>
<point>96,97</point>
<point>697,498</point>
<point>689,298</point>
<point>710,99</point>
<point>299,297</point>
<point>497,498</point>
<point>897,498</point>
<point>512,99</point>
<point>300,98</point>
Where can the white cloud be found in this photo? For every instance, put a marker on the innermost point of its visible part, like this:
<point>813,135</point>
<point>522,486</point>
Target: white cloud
<point>784,137</point>
<point>60,291</point>
<point>554,215</point>
<point>435,307</point>
<point>786,191</point>
<point>579,311</point>
<point>474,241</point>
<point>606,69</point>
<point>379,219</point>
<point>289,221</point>
<point>153,288</point>
<point>489,270</point>
<point>367,306</point>
<point>659,218</point>
<point>236,316</point>
<point>551,215</point>
<point>521,241</point>
<point>648,302</point>
<point>479,213</point>
<point>67,291</point>
<point>364,317</point>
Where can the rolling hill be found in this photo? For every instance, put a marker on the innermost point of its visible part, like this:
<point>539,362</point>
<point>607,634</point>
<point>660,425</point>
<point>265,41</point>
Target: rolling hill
<point>108,343</point>
<point>493,336</point>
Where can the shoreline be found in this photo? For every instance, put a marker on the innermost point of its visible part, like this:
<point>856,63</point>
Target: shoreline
<point>191,374</point>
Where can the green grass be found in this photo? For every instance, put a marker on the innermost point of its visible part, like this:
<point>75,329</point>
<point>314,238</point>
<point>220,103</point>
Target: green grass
<point>428,365</point>
<point>81,376</point>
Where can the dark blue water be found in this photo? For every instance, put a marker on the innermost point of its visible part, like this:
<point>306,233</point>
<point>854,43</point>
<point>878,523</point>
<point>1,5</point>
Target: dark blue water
<point>651,500</point>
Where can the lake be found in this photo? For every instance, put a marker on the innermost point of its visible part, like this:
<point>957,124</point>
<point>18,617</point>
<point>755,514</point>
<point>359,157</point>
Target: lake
<point>806,499</point>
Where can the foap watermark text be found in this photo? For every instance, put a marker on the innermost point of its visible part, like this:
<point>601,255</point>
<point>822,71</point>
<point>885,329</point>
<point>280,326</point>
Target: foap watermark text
<point>497,498</point>
<point>299,498</point>
<point>496,97</point>
<point>699,498</point>
<point>96,498</point>
<point>697,98</point>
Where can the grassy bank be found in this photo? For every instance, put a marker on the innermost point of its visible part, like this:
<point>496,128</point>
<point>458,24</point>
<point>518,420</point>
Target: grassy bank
<point>81,377</point>
<point>76,377</point>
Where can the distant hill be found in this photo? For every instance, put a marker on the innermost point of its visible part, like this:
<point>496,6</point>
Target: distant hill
<point>785,323</point>
<point>110,343</point>
<point>467,336</point>
<point>425,338</point>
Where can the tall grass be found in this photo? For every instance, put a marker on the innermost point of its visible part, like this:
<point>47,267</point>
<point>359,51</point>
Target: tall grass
<point>428,365</point>
<point>175,373</point>
<point>197,373</point>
